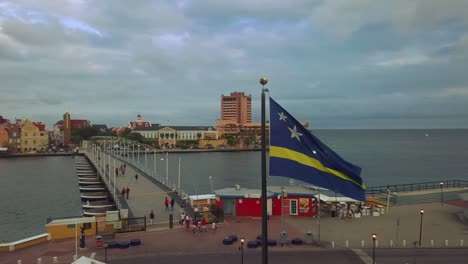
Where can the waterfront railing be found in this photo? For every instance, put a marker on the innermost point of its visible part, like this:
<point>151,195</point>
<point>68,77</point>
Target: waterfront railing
<point>421,186</point>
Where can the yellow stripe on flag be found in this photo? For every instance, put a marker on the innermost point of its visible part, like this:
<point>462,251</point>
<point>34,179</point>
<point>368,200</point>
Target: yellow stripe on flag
<point>284,153</point>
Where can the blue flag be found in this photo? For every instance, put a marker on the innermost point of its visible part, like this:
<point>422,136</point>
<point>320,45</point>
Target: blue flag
<point>296,153</point>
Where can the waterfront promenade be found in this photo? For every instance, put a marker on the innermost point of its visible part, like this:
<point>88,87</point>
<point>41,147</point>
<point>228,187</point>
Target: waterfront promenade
<point>439,224</point>
<point>145,195</point>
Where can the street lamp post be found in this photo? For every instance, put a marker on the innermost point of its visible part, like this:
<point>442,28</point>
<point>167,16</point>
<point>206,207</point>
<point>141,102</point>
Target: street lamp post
<point>167,169</point>
<point>211,183</point>
<point>420,226</point>
<point>138,155</point>
<point>374,237</point>
<point>441,193</point>
<point>146,161</point>
<point>241,248</point>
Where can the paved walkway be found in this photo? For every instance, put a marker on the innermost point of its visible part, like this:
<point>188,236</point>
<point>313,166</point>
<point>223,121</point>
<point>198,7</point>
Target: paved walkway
<point>145,195</point>
<point>439,224</point>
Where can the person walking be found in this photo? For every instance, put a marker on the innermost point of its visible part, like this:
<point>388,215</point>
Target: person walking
<point>151,217</point>
<point>125,168</point>
<point>172,204</point>
<point>123,192</point>
<point>127,191</point>
<point>116,172</point>
<point>136,177</point>
<point>166,203</point>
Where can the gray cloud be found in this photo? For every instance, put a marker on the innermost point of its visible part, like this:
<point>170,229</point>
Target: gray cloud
<point>332,63</point>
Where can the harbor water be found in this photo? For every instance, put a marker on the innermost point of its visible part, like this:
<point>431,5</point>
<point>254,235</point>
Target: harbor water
<point>39,187</point>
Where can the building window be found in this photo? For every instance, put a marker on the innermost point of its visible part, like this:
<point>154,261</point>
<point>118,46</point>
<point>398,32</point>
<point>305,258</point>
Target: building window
<point>34,134</point>
<point>26,142</point>
<point>34,142</point>
<point>42,134</point>
<point>25,134</point>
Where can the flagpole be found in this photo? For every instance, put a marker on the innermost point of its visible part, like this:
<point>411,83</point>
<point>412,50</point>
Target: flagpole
<point>263,82</point>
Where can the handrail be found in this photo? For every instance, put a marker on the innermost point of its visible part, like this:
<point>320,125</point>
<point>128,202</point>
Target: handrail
<point>408,187</point>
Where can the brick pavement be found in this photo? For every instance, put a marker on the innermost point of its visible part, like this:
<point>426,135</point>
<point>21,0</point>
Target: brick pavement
<point>439,223</point>
<point>161,240</point>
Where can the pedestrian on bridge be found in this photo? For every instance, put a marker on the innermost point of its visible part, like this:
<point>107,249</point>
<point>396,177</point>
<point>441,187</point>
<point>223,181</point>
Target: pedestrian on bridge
<point>116,172</point>
<point>127,191</point>
<point>136,177</point>
<point>172,204</point>
<point>166,203</point>
<point>123,192</point>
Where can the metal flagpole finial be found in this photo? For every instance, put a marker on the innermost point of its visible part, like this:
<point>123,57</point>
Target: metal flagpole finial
<point>263,82</point>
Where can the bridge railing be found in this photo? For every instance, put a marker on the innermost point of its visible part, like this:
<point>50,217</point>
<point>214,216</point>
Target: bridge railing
<point>420,186</point>
<point>136,154</point>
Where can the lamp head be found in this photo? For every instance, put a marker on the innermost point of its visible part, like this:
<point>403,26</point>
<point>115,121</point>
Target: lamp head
<point>242,240</point>
<point>374,236</point>
<point>441,183</point>
<point>263,80</point>
<point>422,211</point>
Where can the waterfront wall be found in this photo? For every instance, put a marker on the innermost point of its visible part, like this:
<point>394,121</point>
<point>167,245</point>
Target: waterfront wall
<point>65,228</point>
<point>27,242</point>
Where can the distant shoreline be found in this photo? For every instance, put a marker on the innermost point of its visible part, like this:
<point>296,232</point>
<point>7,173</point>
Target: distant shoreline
<point>26,155</point>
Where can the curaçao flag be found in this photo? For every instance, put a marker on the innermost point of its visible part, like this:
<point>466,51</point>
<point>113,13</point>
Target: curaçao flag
<point>296,153</point>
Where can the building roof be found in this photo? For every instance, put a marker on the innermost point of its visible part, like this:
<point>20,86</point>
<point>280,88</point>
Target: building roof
<point>156,127</point>
<point>241,193</point>
<point>79,123</point>
<point>99,126</point>
<point>59,123</point>
<point>42,127</point>
<point>299,190</point>
<point>139,125</point>
<point>3,120</point>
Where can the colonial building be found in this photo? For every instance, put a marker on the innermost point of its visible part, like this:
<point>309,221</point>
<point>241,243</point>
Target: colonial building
<point>139,124</point>
<point>4,137</point>
<point>167,136</point>
<point>14,134</point>
<point>34,136</point>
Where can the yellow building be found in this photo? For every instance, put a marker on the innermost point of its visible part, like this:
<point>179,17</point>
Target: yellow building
<point>34,136</point>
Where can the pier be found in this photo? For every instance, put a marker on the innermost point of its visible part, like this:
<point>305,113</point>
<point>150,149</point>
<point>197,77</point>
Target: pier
<point>147,193</point>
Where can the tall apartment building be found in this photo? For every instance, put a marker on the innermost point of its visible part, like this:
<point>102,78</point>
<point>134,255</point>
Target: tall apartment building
<point>237,107</point>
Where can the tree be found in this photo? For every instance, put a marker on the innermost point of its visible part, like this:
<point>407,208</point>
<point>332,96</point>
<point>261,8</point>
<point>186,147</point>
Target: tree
<point>135,136</point>
<point>125,132</point>
<point>80,134</point>
<point>231,141</point>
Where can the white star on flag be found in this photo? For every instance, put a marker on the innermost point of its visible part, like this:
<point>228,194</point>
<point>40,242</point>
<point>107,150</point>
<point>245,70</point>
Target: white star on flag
<point>294,133</point>
<point>282,117</point>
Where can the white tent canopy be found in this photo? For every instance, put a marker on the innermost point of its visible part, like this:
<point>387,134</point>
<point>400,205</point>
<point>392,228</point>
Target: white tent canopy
<point>85,260</point>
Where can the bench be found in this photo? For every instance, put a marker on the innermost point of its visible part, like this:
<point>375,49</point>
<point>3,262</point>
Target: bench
<point>108,235</point>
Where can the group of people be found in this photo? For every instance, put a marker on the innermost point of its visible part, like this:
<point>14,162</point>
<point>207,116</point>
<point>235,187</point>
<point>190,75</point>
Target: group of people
<point>195,224</point>
<point>122,169</point>
<point>125,191</point>
<point>166,204</point>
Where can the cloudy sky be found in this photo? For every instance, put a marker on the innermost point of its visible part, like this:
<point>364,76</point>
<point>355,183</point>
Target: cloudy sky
<point>335,64</point>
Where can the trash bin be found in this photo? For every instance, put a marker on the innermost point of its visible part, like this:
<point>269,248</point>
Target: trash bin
<point>309,238</point>
<point>283,238</point>
<point>99,241</point>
